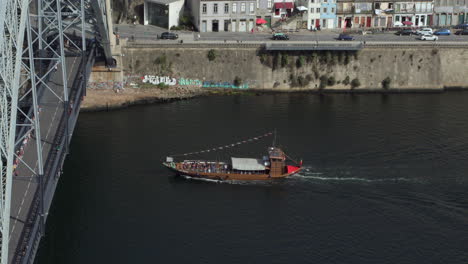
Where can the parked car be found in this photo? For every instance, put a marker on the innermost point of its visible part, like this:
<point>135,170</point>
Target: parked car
<point>428,37</point>
<point>345,37</point>
<point>462,32</point>
<point>442,31</point>
<point>424,31</point>
<point>169,35</point>
<point>406,32</point>
<point>280,36</point>
<point>461,26</point>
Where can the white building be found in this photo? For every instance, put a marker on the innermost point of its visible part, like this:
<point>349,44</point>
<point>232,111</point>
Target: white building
<point>163,13</point>
<point>313,14</point>
<point>227,16</point>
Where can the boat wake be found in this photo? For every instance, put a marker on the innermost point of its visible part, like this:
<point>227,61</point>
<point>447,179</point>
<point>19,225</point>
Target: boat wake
<point>200,179</point>
<point>320,176</point>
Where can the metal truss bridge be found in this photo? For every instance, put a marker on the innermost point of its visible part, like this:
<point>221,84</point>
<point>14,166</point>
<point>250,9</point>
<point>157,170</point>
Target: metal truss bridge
<point>47,49</point>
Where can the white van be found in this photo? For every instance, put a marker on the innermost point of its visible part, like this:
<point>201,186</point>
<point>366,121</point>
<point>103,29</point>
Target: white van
<point>424,31</point>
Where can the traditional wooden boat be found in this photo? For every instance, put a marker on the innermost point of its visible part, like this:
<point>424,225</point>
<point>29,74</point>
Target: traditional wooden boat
<point>274,166</point>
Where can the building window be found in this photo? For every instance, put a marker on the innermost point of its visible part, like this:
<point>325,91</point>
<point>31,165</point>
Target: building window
<point>252,8</point>
<point>317,10</point>
<point>215,9</point>
<point>242,7</point>
<point>333,10</point>
<point>311,10</point>
<point>324,9</point>
<point>234,8</point>
<point>258,3</point>
<point>204,9</point>
<point>269,4</point>
<point>226,8</point>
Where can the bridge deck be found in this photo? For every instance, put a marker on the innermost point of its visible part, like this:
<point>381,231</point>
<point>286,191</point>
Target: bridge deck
<point>25,192</point>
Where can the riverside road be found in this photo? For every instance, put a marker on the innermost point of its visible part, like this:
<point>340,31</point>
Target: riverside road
<point>151,33</point>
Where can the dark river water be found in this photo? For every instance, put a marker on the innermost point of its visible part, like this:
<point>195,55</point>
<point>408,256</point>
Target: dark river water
<point>386,181</point>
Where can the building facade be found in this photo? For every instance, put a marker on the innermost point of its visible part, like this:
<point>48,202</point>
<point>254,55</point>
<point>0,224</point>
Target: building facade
<point>383,13</point>
<point>265,10</point>
<point>227,16</point>
<point>327,14</point>
<point>163,13</point>
<point>354,14</point>
<point>450,12</point>
<point>419,13</point>
<point>313,14</point>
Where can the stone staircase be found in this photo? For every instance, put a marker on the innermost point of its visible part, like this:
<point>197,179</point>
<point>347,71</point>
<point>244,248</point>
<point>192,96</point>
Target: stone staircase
<point>292,23</point>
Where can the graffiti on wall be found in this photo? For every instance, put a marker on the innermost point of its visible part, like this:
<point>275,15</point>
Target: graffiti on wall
<point>155,80</point>
<point>159,79</point>
<point>183,81</point>
<point>229,85</point>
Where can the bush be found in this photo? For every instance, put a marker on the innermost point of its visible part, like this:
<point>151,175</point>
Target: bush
<point>276,61</point>
<point>331,81</point>
<point>162,86</point>
<point>237,81</point>
<point>176,28</point>
<point>311,57</point>
<point>284,60</point>
<point>347,59</point>
<point>346,80</point>
<point>300,61</point>
<point>323,82</point>
<point>386,83</point>
<point>212,54</point>
<point>161,60</point>
<point>263,58</point>
<point>301,81</point>
<point>355,83</point>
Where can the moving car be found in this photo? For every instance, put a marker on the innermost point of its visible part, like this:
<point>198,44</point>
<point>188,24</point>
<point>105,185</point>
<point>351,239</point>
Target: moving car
<point>424,31</point>
<point>442,31</point>
<point>462,32</point>
<point>280,36</point>
<point>428,37</point>
<point>461,26</point>
<point>406,32</point>
<point>169,35</point>
<point>345,37</point>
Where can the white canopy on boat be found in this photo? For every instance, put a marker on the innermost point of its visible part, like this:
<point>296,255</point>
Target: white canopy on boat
<point>247,164</point>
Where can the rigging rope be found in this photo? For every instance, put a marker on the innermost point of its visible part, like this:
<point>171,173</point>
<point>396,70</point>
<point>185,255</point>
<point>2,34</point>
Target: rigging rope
<point>249,140</point>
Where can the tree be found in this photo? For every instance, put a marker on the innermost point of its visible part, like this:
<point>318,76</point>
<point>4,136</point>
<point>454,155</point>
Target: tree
<point>346,80</point>
<point>355,83</point>
<point>386,83</point>
<point>284,60</point>
<point>323,82</point>
<point>212,55</point>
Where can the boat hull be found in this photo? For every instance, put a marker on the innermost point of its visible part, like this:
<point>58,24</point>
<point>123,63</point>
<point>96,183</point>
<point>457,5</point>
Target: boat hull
<point>227,176</point>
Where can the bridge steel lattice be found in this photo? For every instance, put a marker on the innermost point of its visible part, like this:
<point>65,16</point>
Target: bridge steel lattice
<point>36,39</point>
